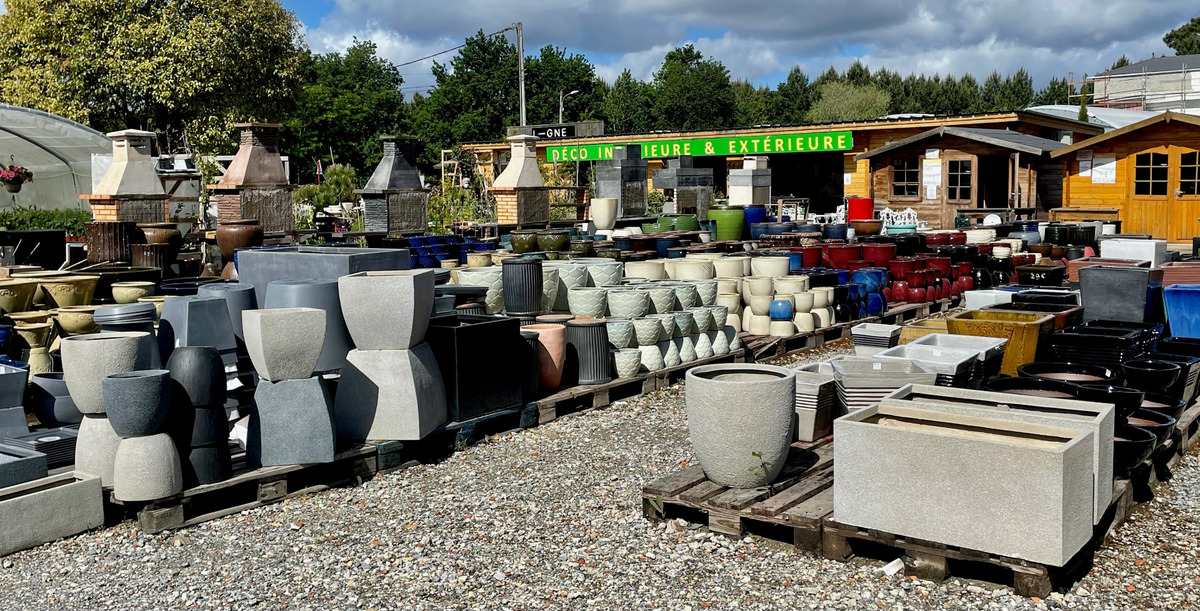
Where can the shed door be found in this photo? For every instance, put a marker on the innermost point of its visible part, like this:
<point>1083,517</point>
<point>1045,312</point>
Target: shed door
<point>1185,211</point>
<point>1150,193</point>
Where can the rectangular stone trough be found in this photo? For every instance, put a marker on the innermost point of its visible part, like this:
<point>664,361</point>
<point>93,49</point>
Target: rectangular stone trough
<point>47,509</point>
<point>260,267</point>
<point>1008,488</point>
<point>1068,413</point>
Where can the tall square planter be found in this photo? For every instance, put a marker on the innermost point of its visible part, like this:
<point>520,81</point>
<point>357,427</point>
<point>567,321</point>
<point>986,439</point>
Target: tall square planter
<point>1007,488</point>
<point>1128,294</point>
<point>481,361</point>
<point>261,266</point>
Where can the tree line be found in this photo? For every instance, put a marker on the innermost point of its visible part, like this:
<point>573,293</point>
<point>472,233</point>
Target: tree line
<point>188,71</point>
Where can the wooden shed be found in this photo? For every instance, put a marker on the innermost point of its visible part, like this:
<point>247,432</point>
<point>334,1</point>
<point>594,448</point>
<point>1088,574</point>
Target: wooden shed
<point>1148,172</point>
<point>950,170</point>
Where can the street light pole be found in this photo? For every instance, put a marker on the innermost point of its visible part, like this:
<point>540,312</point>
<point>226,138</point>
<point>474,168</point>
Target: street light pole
<point>561,96</point>
<point>521,67</point>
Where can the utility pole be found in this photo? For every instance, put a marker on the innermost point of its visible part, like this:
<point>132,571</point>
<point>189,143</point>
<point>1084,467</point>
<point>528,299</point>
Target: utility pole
<point>521,68</point>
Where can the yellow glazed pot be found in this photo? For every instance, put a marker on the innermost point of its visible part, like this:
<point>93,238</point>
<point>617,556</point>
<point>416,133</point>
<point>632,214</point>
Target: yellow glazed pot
<point>16,294</point>
<point>77,320</point>
<point>70,290</point>
<point>132,290</point>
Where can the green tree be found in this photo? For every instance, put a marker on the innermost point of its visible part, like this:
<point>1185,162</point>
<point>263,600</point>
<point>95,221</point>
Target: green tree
<point>858,74</point>
<point>553,71</point>
<point>691,92</point>
<point>627,105</point>
<point>475,98</point>
<point>753,105</point>
<point>1121,62</point>
<point>1057,91</point>
<point>1017,91</point>
<point>846,102</point>
<point>993,92</point>
<point>184,69</point>
<point>346,102</point>
<point>794,97</point>
<point>1185,39</point>
<point>891,82</point>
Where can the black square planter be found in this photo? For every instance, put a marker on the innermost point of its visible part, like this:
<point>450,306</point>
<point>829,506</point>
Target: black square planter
<point>482,360</point>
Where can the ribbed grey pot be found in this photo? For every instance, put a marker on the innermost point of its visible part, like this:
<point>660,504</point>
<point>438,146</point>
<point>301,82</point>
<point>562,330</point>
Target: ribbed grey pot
<point>387,310</point>
<point>588,350</point>
<point>522,286</point>
<point>198,375</point>
<point>88,359</point>
<point>136,401</point>
<point>390,395</point>
<point>146,469</point>
<point>285,343</point>
<point>740,421</point>
<point>96,448</point>
<point>193,320</point>
<point>662,298</point>
<point>292,424</point>
<point>51,401</point>
<point>628,303</point>
<point>238,296</point>
<point>323,295</point>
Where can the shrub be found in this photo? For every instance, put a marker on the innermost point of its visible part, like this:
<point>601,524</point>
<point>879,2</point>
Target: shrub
<point>71,221</point>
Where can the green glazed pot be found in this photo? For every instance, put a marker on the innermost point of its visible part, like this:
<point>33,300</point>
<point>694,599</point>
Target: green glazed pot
<point>609,253</point>
<point>553,240</point>
<point>524,240</point>
<point>683,222</point>
<point>729,222</point>
<point>581,247</point>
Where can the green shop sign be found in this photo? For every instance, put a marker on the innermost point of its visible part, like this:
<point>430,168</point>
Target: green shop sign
<point>699,147</point>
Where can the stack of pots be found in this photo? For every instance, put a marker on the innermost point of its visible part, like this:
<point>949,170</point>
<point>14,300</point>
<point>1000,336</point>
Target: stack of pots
<point>198,389</point>
<point>146,464</point>
<point>391,387</point>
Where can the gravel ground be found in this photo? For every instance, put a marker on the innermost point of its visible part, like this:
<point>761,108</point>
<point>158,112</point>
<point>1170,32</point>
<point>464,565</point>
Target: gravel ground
<point>548,518</point>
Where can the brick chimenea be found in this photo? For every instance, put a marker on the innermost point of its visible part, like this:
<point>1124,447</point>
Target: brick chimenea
<point>130,189</point>
<point>255,185</point>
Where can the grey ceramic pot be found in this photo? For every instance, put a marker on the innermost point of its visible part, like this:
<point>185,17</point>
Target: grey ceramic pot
<point>285,343</point>
<point>96,447</point>
<point>522,286</point>
<point>387,310</point>
<point>238,296</point>
<point>198,374</point>
<point>137,401</point>
<point>88,359</point>
<point>208,465</point>
<point>587,351</point>
<point>740,421</point>
<point>146,469</point>
<point>194,320</point>
<point>323,295</point>
<point>51,401</point>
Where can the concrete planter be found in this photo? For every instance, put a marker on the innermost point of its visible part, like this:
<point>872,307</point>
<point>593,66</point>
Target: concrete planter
<point>51,401</point>
<point>1098,418</point>
<point>294,423</point>
<point>284,343</point>
<point>96,447</point>
<point>387,310</point>
<point>1128,294</point>
<point>390,395</point>
<point>323,295</point>
<point>604,274</point>
<point>193,320</point>
<point>50,508</point>
<point>146,469</point>
<point>238,296</point>
<point>136,401</point>
<point>198,375</point>
<point>739,419</point>
<point>946,474</point>
<point>570,276</point>
<point>261,267</point>
<point>20,464</point>
<point>88,359</point>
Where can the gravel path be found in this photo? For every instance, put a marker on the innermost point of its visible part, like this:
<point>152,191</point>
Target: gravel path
<point>548,518</point>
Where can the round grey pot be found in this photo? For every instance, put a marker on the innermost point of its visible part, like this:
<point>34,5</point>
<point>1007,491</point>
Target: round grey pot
<point>146,469</point>
<point>88,359</point>
<point>590,302</point>
<point>662,298</point>
<point>238,296</point>
<point>137,401</point>
<point>198,374</point>
<point>629,303</point>
<point>96,447</point>
<point>740,421</point>
<point>387,310</point>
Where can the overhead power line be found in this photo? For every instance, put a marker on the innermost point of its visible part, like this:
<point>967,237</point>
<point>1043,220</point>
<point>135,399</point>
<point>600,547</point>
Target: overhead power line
<point>409,63</point>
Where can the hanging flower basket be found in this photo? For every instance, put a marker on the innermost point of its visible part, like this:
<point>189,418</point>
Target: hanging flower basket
<point>14,176</point>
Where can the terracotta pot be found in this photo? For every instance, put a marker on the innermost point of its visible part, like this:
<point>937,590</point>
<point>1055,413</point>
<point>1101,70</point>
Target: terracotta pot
<point>163,233</point>
<point>552,353</point>
<point>238,234</point>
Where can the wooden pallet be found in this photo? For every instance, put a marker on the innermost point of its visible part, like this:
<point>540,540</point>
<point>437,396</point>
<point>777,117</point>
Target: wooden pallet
<point>250,488</point>
<point>790,509</point>
<point>934,561</point>
<point>765,347</point>
<point>1189,427</point>
<point>452,437</point>
<point>585,397</point>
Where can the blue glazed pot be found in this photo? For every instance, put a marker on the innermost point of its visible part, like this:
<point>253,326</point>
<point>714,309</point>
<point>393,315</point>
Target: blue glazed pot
<point>872,278</point>
<point>662,245</point>
<point>6,332</point>
<point>757,230</point>
<point>1183,309</point>
<point>676,253</point>
<point>755,214</point>
<point>795,262</point>
<point>484,246</point>
<point>843,276</point>
<point>436,239</point>
<point>623,243</point>
<point>429,261</point>
<point>418,240</point>
<point>876,304</point>
<point>808,228</point>
<point>781,309</point>
<point>835,231</point>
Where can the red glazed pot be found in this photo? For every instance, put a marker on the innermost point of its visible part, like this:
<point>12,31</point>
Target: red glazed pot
<point>1022,259</point>
<point>940,264</point>
<point>878,254</point>
<point>916,295</point>
<point>916,279</point>
<point>966,282</point>
<point>838,255</point>
<point>964,268</point>
<point>937,239</point>
<point>984,249</point>
<point>811,255</point>
<point>899,291</point>
<point>900,266</point>
<point>958,238</point>
<point>853,265</point>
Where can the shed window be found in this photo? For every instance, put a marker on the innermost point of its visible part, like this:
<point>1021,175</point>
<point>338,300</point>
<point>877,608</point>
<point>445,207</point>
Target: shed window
<point>1189,173</point>
<point>1150,174</point>
<point>958,180</point>
<point>906,177</point>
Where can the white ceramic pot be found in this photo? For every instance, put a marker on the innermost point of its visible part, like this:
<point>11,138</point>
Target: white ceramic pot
<point>728,285</point>
<point>733,321</point>
<point>759,325</point>
<point>824,317</point>
<point>757,285</point>
<point>791,284</point>
<point>772,267</point>
<point>729,267</point>
<point>604,212</point>
<point>803,301</point>
<point>650,270</point>
<point>693,269</point>
<point>731,301</point>
<point>782,328</point>
<point>760,305</point>
<point>805,322</point>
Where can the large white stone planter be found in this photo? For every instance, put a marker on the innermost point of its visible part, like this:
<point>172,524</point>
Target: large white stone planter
<point>1009,488</point>
<point>147,468</point>
<point>284,343</point>
<point>50,508</point>
<point>740,421</point>
<point>387,310</point>
<point>390,395</point>
<point>88,359</point>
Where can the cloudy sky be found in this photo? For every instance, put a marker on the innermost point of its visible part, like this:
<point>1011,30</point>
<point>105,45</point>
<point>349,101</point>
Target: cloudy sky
<point>761,40</point>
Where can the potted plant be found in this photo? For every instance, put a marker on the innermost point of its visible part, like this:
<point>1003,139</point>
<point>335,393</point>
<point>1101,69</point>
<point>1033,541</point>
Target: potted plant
<point>14,176</point>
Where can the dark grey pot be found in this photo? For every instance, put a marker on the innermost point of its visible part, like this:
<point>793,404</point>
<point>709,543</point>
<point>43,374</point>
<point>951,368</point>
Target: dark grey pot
<point>199,373</point>
<point>210,427</point>
<point>50,401</point>
<point>522,286</point>
<point>137,401</point>
<point>587,351</point>
<point>193,320</point>
<point>293,424</point>
<point>238,297</point>
<point>207,465</point>
<point>321,294</point>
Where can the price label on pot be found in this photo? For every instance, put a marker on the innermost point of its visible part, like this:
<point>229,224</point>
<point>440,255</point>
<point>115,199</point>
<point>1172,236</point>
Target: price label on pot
<point>876,366</point>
